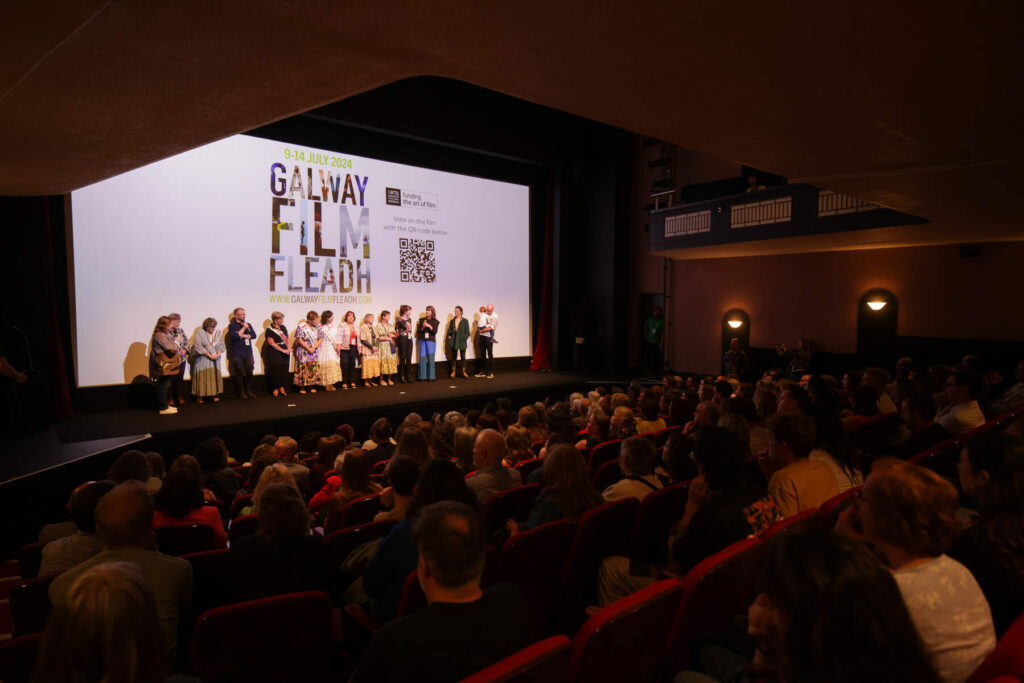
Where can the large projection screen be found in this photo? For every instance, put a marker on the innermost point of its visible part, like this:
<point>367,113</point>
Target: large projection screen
<point>271,226</point>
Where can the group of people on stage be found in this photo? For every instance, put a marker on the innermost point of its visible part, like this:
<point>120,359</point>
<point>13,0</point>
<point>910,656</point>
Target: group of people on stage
<point>327,352</point>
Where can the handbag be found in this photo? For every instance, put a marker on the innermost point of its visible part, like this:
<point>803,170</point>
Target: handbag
<point>164,362</point>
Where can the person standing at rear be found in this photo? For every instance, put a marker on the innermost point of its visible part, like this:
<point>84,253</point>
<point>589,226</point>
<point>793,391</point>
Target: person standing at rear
<point>488,327</point>
<point>240,341</point>
<point>403,340</point>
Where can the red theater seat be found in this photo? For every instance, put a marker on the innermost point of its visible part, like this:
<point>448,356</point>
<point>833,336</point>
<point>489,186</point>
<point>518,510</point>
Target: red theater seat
<point>603,452</point>
<point>511,504</point>
<point>607,474</point>
<point>359,511</point>
<point>658,511</point>
<point>342,542</point>
<point>534,562</point>
<point>30,605</point>
<point>18,657</point>
<point>182,539</point>
<point>240,527</point>
<point>271,639</point>
<point>543,662</point>
<point>834,506</point>
<point>30,558</point>
<point>528,467</point>
<point>624,641</point>
<point>661,437</point>
<point>798,522</point>
<point>1008,657</point>
<point>209,579</point>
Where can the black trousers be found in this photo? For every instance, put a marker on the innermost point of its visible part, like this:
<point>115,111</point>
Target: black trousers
<point>486,355</point>
<point>241,374</point>
<point>348,365</point>
<point>456,360</point>
<point>404,358</point>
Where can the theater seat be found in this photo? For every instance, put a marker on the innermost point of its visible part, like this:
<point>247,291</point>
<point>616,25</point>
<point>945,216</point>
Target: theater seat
<point>658,511</point>
<point>624,641</point>
<point>543,662</point>
<point>714,592</point>
<point>30,605</point>
<point>379,467</point>
<point>359,511</point>
<point>601,532</point>
<point>18,657</point>
<point>30,558</point>
<point>511,504</point>
<point>528,467</point>
<point>271,639</point>
<point>246,525</point>
<point>536,446</point>
<point>412,600</point>
<point>940,458</point>
<point>342,542</point>
<point>798,522</point>
<point>607,474</point>
<point>661,437</point>
<point>182,539</point>
<point>1008,657</point>
<point>603,452</point>
<point>834,506</point>
<point>534,562</point>
<point>209,579</point>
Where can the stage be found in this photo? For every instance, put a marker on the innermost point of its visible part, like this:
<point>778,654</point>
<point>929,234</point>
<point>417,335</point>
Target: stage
<point>38,472</point>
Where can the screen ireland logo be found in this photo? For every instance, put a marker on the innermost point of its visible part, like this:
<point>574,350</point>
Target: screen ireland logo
<point>394,196</point>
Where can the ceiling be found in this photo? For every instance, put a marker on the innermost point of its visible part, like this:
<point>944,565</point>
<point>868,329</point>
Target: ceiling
<point>916,106</point>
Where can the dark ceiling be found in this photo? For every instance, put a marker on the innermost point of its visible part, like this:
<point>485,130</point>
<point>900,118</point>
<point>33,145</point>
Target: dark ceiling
<point>913,105</point>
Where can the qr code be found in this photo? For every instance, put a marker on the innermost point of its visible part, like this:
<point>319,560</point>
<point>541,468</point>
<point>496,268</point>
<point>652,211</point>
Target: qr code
<point>416,261</point>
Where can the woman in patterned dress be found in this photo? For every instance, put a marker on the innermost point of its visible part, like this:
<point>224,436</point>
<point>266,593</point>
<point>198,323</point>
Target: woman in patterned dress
<point>386,334</point>
<point>307,342</point>
<point>368,350</point>
<point>330,362</point>
<point>207,348</point>
<point>180,338</point>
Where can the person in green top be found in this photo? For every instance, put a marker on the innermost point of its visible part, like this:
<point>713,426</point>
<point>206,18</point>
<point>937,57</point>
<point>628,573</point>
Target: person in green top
<point>654,328</point>
<point>456,336</point>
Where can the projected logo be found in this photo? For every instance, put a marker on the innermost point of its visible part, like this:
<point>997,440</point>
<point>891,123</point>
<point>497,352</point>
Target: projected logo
<point>393,196</point>
<point>416,261</point>
<point>317,254</point>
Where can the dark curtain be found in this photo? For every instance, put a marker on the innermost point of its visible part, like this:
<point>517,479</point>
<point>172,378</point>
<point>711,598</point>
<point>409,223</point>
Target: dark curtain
<point>542,349</point>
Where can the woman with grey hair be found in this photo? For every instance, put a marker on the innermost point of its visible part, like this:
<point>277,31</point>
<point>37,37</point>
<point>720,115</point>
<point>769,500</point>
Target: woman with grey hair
<point>207,348</point>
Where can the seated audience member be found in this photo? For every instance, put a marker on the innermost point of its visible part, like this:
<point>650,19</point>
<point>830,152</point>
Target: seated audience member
<point>124,520</point>
<point>380,438</point>
<point>878,379</point>
<point>262,458</point>
<point>272,474</point>
<point>598,432</point>
<point>766,399</point>
<point>491,477</point>
<point>918,413</point>
<point>403,473</point>
<point>796,483</point>
<point>826,610</point>
<point>157,471</point>
<point>63,553</point>
<point>282,557</point>
<point>286,451</point>
<point>677,409</point>
<point>1013,397</point>
<point>413,443</point>
<point>705,415</point>
<point>463,629</point>
<point>180,502</point>
<point>713,518</point>
<point>723,392</point>
<point>637,458</point>
<point>106,629</point>
<point>190,464</point>
<point>677,463</point>
<point>129,466</point>
<point>396,555</point>
<point>567,491</point>
<point>355,483</point>
<point>962,412</point>
<point>623,424</point>
<point>327,450</point>
<point>517,446</point>
<point>307,445</point>
<point>216,475</point>
<point>863,408</point>
<point>992,472</point>
<point>909,514</point>
<point>442,440</point>
<point>465,439</point>
<point>649,421</point>
<point>739,427</point>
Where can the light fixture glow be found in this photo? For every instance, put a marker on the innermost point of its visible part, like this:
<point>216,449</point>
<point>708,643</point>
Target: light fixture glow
<point>735,324</point>
<point>876,305</point>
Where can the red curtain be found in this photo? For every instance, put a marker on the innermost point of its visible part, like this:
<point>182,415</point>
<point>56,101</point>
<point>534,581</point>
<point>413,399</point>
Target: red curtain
<point>542,350</point>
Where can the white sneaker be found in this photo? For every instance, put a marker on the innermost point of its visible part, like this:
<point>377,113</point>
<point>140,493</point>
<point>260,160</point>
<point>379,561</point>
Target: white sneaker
<point>490,376</point>
<point>169,410</point>
<point>479,374</point>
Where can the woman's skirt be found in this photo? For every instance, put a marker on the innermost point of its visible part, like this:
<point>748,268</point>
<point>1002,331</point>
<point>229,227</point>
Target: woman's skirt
<point>388,360</point>
<point>371,367</point>
<point>307,374</point>
<point>330,372</point>
<point>207,382</point>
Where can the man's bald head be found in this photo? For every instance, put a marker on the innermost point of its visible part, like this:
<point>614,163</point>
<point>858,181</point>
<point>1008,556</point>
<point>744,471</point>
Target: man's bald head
<point>125,515</point>
<point>489,448</point>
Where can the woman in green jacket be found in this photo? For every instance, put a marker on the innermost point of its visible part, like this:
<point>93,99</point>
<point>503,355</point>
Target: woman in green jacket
<point>456,337</point>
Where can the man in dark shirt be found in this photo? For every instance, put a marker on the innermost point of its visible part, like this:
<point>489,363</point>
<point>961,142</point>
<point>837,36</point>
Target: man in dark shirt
<point>918,414</point>
<point>241,338</point>
<point>463,629</point>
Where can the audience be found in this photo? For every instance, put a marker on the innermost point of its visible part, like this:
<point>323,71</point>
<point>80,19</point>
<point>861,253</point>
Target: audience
<point>962,412</point>
<point>129,466</point>
<point>157,471</point>
<point>216,475</point>
<point>637,459</point>
<point>796,483</point>
<point>918,413</point>
<point>355,483</point>
<point>567,491</point>
<point>491,476</point>
<point>179,502</point>
<point>64,553</point>
<point>286,451</point>
<point>403,473</point>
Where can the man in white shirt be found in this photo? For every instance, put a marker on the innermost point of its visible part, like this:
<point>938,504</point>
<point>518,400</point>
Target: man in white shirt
<point>963,413</point>
<point>488,326</point>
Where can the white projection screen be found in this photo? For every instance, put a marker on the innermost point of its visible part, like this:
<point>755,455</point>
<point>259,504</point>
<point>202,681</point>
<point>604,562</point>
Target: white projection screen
<point>272,226</point>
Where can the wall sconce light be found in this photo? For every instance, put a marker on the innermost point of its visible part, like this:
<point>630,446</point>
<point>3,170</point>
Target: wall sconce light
<point>877,304</point>
<point>735,324</point>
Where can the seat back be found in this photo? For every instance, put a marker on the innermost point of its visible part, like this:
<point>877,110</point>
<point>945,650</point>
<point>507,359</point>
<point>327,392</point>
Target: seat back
<point>624,641</point>
<point>607,474</point>
<point>798,522</point>
<point>543,662</point>
<point>1008,657</point>
<point>834,506</point>
<point>265,640</point>
<point>182,539</point>
<point>528,467</point>
<point>413,599</point>
<point>871,435</point>
<point>30,558</point>
<point>603,452</point>
<point>511,504</point>
<point>246,525</point>
<point>600,533</point>
<point>30,605</point>
<point>380,466</point>
<point>18,658</point>
<point>239,503</point>
<point>534,561</point>
<point>536,446</point>
<point>209,579</point>
<point>658,511</point>
<point>661,437</point>
<point>342,542</point>
<point>359,511</point>
<point>714,592</point>
<point>940,458</point>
